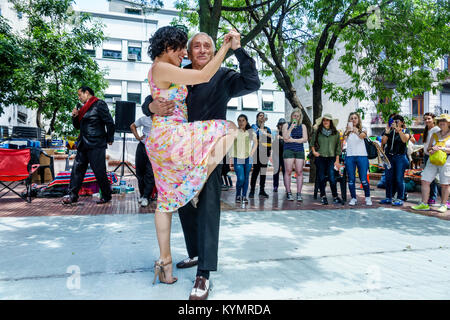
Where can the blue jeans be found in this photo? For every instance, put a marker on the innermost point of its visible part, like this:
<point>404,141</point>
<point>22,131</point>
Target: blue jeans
<point>362,163</point>
<point>325,165</point>
<point>433,185</point>
<point>242,169</point>
<point>395,175</point>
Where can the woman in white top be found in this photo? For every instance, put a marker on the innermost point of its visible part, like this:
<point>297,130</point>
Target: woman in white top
<point>439,141</point>
<point>430,129</point>
<point>356,157</point>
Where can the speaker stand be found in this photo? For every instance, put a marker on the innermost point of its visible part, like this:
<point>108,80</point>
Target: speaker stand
<point>122,164</point>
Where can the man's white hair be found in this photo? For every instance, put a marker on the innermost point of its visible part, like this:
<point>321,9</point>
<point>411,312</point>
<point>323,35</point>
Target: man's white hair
<point>198,34</point>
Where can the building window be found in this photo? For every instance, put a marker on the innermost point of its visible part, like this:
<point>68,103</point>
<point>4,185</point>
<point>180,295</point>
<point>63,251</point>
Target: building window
<point>446,64</point>
<point>134,97</point>
<point>267,100</point>
<point>250,101</point>
<point>134,92</point>
<point>112,49</point>
<point>185,62</point>
<point>22,117</point>
<point>133,11</point>
<point>90,52</point>
<point>112,98</point>
<point>112,54</point>
<point>417,105</point>
<point>233,103</point>
<point>134,53</point>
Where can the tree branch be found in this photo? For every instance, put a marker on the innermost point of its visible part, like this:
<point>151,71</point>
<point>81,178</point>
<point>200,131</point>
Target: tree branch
<point>247,8</point>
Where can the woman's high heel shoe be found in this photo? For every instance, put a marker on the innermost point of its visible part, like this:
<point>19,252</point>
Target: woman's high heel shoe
<point>159,271</point>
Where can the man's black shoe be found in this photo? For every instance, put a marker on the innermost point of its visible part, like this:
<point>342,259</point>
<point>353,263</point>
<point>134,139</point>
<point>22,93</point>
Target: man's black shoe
<point>338,200</point>
<point>324,200</point>
<point>103,201</point>
<point>187,263</point>
<point>251,195</point>
<point>263,194</point>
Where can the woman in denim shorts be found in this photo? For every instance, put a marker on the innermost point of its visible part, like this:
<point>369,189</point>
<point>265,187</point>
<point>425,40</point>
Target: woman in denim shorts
<point>439,141</point>
<point>294,135</point>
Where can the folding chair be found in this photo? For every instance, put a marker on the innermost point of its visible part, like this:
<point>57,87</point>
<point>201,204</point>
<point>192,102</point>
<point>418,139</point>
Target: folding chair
<point>14,170</point>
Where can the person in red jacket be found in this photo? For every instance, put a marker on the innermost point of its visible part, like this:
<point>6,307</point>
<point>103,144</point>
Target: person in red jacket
<point>96,131</point>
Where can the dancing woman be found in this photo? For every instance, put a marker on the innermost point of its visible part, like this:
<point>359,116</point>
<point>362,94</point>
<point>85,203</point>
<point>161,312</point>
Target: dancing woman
<point>182,154</point>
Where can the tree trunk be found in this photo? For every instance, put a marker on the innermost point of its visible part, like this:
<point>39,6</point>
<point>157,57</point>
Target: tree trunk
<point>209,17</point>
<point>38,117</point>
<point>52,123</point>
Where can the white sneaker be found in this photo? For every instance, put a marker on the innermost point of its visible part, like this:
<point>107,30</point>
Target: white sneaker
<point>144,202</point>
<point>352,202</point>
<point>368,201</point>
<point>140,199</point>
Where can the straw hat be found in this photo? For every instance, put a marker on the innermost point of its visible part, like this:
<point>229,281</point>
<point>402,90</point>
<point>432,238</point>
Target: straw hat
<point>443,116</point>
<point>329,117</point>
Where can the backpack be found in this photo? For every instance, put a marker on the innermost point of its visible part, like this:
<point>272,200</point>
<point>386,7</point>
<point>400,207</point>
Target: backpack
<point>439,158</point>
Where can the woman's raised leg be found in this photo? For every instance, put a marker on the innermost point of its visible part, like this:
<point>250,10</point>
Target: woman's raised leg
<point>222,146</point>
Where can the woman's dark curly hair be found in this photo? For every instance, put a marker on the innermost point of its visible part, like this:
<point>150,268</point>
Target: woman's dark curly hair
<point>166,38</point>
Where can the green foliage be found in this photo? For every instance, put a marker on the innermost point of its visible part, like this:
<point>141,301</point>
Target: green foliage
<point>10,60</point>
<point>55,63</point>
<point>271,29</point>
<point>397,60</point>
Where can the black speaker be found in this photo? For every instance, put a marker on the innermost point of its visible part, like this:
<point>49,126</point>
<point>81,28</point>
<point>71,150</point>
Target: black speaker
<point>125,115</point>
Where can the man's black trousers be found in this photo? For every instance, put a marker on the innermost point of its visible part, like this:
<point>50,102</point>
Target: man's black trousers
<point>96,158</point>
<point>144,172</point>
<point>201,225</point>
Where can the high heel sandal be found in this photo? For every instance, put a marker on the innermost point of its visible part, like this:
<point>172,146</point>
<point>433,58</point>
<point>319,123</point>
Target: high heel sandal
<point>159,271</point>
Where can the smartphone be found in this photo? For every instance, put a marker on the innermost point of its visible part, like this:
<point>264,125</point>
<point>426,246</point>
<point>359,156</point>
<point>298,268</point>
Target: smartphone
<point>391,121</point>
<point>350,125</point>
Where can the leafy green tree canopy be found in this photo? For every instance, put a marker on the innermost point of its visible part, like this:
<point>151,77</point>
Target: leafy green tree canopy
<point>55,62</point>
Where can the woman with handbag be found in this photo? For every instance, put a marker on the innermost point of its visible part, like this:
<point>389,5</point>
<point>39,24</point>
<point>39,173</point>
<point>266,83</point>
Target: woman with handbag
<point>326,148</point>
<point>395,139</point>
<point>430,128</point>
<point>356,157</point>
<point>437,164</point>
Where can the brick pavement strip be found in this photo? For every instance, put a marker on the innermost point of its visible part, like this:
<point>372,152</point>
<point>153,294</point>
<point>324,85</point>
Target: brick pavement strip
<point>12,206</point>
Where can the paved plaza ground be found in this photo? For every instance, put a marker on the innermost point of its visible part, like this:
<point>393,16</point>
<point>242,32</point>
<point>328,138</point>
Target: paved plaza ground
<point>271,249</point>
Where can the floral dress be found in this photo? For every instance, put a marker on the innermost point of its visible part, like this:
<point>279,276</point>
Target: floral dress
<point>178,150</point>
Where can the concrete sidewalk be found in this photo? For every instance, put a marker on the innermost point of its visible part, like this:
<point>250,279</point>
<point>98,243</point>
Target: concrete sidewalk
<point>378,253</point>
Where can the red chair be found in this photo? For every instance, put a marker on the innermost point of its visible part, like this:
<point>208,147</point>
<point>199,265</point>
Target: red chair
<point>14,171</point>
